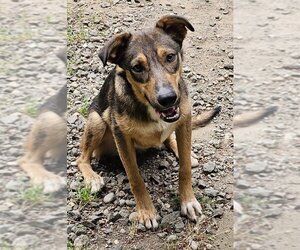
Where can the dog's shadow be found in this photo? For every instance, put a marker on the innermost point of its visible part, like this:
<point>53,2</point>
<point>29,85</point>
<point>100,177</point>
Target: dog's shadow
<point>113,164</point>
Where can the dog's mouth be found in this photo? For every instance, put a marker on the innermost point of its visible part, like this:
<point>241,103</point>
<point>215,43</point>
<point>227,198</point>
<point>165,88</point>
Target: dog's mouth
<point>169,115</point>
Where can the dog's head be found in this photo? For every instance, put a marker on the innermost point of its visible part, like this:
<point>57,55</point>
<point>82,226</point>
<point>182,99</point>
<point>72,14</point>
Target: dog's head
<point>152,61</point>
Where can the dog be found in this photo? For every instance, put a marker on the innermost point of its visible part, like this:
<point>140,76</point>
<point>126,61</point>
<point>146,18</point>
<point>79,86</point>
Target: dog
<point>141,103</point>
<point>47,137</point>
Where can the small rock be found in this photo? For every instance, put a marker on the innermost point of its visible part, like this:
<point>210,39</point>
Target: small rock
<point>141,227</point>
<point>273,213</point>
<point>81,241</point>
<point>172,238</point>
<point>194,245</point>
<point>256,167</point>
<point>228,66</point>
<point>13,185</point>
<point>259,192</point>
<point>179,226</point>
<point>130,203</point>
<point>162,235</point>
<point>74,185</point>
<point>113,217</point>
<point>73,118</point>
<point>210,192</point>
<point>202,184</point>
<point>218,212</point>
<point>209,167</point>
<point>109,198</point>
<point>12,118</point>
<point>164,164</point>
<point>133,216</point>
<point>242,184</point>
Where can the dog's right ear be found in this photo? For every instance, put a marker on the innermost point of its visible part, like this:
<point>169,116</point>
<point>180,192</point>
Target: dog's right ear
<point>114,49</point>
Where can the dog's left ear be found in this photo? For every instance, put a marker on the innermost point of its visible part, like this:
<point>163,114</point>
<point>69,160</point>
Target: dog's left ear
<point>175,26</point>
<point>114,49</point>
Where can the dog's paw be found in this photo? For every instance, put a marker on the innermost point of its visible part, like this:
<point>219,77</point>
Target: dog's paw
<point>147,218</point>
<point>95,182</point>
<point>50,183</point>
<point>191,209</point>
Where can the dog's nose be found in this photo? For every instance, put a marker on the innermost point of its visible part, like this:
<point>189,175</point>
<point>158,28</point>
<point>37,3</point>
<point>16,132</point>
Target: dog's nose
<point>166,97</point>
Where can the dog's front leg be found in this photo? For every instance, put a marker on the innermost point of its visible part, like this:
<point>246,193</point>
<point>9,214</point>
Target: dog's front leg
<point>146,212</point>
<point>189,204</point>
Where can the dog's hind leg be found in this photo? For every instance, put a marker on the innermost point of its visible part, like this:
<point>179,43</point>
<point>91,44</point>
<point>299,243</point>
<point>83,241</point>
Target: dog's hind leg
<point>92,137</point>
<point>48,132</point>
<point>171,144</point>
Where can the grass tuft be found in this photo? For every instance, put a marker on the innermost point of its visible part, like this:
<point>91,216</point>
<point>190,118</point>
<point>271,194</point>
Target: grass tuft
<point>34,195</point>
<point>84,108</point>
<point>85,195</point>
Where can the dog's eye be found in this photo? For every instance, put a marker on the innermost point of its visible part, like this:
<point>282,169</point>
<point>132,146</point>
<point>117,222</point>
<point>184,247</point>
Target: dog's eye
<point>171,57</point>
<point>137,68</point>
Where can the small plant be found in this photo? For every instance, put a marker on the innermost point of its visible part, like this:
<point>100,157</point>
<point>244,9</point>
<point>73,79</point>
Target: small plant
<point>70,246</point>
<point>84,108</point>
<point>31,108</point>
<point>172,245</point>
<point>6,246</point>
<point>205,200</point>
<point>133,228</point>
<point>85,195</point>
<point>34,195</point>
<point>76,37</point>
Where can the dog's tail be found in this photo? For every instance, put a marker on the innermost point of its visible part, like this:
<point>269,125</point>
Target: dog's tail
<point>249,118</point>
<point>62,55</point>
<point>204,118</point>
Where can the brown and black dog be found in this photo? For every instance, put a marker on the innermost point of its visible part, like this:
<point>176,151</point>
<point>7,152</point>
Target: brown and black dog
<point>142,102</point>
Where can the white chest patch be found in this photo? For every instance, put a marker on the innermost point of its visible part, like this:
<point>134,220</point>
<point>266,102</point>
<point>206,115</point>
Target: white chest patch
<point>166,129</point>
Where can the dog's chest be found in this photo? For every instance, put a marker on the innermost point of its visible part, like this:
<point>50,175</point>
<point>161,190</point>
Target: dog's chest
<point>154,134</point>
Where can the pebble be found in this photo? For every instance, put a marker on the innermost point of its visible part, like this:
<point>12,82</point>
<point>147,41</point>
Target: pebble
<point>109,198</point>
<point>194,245</point>
<point>256,167</point>
<point>172,238</point>
<point>13,185</point>
<point>242,184</point>
<point>209,167</point>
<point>210,192</point>
<point>133,216</point>
<point>141,227</point>
<point>162,235</point>
<point>81,241</point>
<point>179,226</point>
<point>259,192</point>
<point>10,119</point>
<point>273,213</point>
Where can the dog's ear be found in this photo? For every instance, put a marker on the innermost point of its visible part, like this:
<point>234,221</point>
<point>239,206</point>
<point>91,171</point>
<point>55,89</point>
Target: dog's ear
<point>115,48</point>
<point>175,26</point>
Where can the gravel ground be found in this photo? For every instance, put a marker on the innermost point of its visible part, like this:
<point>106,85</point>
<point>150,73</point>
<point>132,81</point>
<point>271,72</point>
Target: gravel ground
<point>102,221</point>
<point>267,154</point>
<point>30,34</point>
